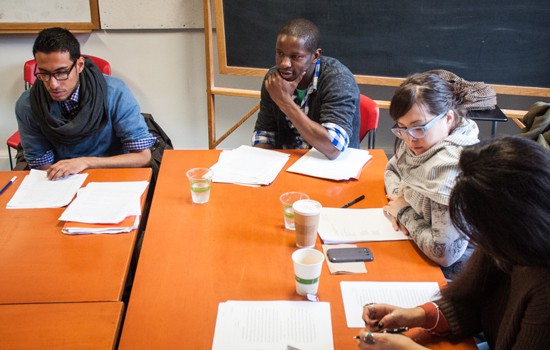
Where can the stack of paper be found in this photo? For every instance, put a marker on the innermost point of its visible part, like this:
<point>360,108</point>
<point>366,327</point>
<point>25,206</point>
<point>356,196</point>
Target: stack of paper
<point>36,191</point>
<point>105,207</point>
<point>338,225</point>
<point>266,325</point>
<point>403,294</point>
<point>248,166</point>
<point>128,224</point>
<point>348,164</point>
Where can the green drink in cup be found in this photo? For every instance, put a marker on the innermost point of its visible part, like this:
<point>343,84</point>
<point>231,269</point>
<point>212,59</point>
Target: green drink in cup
<point>287,199</point>
<point>199,181</point>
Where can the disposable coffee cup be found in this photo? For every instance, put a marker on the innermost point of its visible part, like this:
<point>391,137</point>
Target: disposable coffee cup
<point>306,221</point>
<point>307,270</point>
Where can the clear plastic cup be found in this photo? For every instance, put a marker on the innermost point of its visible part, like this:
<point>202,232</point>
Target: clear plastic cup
<point>287,199</point>
<point>199,182</point>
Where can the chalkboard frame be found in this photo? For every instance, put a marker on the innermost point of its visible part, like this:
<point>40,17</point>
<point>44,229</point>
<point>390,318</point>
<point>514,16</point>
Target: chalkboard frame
<point>35,27</point>
<point>224,68</point>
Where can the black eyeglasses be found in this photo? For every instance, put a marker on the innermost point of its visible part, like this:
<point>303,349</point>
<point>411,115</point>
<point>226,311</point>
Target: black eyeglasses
<point>61,75</point>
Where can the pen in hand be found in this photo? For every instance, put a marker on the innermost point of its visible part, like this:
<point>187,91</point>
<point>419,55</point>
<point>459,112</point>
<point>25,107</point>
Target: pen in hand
<point>396,330</point>
<point>358,199</point>
<point>8,184</point>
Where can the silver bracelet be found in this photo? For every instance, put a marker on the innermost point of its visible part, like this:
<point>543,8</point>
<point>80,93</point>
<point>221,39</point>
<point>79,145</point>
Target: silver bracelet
<point>437,321</point>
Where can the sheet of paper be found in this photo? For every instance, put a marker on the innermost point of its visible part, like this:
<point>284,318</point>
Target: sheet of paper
<point>77,228</point>
<point>345,225</point>
<point>106,202</point>
<point>272,325</point>
<point>343,268</point>
<point>404,294</point>
<point>36,191</point>
<point>348,165</point>
<point>248,165</point>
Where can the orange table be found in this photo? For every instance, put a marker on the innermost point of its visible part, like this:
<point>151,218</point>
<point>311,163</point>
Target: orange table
<point>235,247</point>
<point>39,264</point>
<point>71,326</point>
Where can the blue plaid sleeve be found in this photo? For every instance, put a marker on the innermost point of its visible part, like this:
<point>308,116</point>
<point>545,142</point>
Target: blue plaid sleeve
<point>337,135</point>
<point>264,137</point>
<point>140,145</point>
<point>47,158</point>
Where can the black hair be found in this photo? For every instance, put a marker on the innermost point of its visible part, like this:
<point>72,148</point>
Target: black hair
<point>501,200</point>
<point>430,91</point>
<point>305,29</point>
<point>56,40</point>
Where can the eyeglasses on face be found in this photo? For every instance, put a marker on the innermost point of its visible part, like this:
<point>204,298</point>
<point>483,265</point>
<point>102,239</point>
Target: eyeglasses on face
<point>416,132</point>
<point>61,75</point>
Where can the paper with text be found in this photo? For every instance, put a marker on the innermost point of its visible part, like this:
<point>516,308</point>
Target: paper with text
<point>348,165</point>
<point>403,294</point>
<point>272,325</point>
<point>106,202</point>
<point>248,165</point>
<point>36,191</point>
<point>344,225</point>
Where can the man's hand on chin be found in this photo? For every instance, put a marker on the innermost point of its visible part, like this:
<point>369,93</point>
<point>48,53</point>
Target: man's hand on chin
<point>281,90</point>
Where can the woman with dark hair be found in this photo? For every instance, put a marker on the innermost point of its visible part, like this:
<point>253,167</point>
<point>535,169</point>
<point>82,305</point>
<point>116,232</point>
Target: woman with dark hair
<point>500,201</point>
<point>431,131</point>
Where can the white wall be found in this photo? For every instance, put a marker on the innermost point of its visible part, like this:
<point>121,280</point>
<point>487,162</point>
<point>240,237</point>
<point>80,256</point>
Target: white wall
<point>165,69</point>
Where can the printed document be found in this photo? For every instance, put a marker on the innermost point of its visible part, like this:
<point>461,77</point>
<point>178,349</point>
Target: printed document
<point>403,294</point>
<point>106,202</point>
<point>344,225</point>
<point>248,165</point>
<point>348,165</point>
<point>278,325</point>
<point>36,191</point>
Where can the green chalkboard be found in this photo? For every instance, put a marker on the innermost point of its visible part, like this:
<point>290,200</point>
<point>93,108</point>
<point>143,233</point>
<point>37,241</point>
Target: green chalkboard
<point>496,41</point>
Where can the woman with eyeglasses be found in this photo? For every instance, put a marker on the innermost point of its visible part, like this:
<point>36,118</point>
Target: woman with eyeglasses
<point>431,131</point>
<point>500,201</point>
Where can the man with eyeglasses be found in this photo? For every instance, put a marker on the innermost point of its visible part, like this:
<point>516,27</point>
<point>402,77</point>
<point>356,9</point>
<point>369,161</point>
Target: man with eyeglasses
<point>74,117</point>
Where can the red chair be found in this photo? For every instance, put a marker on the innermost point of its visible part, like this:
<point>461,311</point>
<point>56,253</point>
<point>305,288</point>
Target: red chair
<point>370,113</point>
<point>29,78</point>
<point>13,142</point>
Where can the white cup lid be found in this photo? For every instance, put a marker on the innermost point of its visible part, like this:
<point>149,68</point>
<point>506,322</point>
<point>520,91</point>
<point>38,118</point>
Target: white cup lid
<point>307,207</point>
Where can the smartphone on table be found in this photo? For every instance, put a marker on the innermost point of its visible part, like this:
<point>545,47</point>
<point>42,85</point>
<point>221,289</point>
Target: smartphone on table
<point>340,255</point>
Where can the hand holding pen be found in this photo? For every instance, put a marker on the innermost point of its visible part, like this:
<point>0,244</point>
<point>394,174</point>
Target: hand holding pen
<point>386,318</point>
<point>367,340</point>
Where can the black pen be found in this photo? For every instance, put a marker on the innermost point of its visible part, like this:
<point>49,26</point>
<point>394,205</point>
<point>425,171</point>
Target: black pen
<point>358,199</point>
<point>8,184</point>
<point>396,330</point>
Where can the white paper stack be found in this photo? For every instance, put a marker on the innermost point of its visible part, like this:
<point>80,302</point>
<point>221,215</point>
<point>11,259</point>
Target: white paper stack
<point>105,207</point>
<point>339,225</point>
<point>248,166</point>
<point>348,165</point>
<point>266,325</point>
<point>36,191</point>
